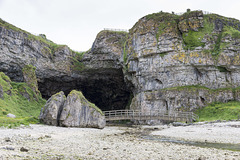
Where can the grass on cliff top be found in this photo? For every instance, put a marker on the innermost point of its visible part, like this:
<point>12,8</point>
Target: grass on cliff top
<point>219,111</point>
<point>52,47</point>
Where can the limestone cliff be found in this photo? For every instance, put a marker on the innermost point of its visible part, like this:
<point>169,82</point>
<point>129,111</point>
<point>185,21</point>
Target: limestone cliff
<point>175,62</point>
<point>167,61</point>
<point>97,73</point>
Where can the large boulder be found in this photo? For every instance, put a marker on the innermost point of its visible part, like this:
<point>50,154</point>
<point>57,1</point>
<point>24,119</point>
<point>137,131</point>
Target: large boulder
<point>73,111</point>
<point>51,111</point>
<point>79,112</point>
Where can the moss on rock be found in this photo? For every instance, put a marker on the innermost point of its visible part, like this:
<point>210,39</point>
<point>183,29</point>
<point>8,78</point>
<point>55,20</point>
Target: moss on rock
<point>30,78</point>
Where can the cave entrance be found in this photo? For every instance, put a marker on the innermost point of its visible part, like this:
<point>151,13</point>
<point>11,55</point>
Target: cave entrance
<point>108,91</point>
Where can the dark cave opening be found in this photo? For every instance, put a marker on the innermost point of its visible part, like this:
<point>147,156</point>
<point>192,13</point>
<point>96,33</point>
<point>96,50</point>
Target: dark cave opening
<point>107,91</point>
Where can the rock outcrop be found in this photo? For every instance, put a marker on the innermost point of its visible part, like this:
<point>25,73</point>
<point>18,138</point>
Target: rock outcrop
<point>79,112</point>
<point>50,113</point>
<point>165,61</point>
<point>169,55</point>
<point>97,73</point>
<point>1,92</point>
<point>73,111</point>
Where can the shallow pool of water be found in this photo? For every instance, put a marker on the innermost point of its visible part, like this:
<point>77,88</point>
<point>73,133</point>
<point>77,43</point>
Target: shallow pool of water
<point>225,146</point>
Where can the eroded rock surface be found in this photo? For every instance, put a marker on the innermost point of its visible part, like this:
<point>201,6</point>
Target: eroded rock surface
<point>171,58</point>
<point>50,113</point>
<point>73,111</point>
<point>169,62</point>
<point>79,112</point>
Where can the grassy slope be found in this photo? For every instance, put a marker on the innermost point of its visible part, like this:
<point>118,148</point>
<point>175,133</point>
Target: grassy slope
<point>219,111</point>
<point>26,110</point>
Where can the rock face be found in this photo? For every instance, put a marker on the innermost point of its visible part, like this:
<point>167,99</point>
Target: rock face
<point>73,111</point>
<point>50,113</point>
<point>98,73</point>
<point>1,92</point>
<point>165,61</point>
<point>172,58</point>
<point>78,112</point>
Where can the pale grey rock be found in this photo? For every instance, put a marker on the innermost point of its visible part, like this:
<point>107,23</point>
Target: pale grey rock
<point>78,112</point>
<point>55,70</point>
<point>145,62</point>
<point>51,111</point>
<point>11,115</point>
<point>159,70</point>
<point>1,91</point>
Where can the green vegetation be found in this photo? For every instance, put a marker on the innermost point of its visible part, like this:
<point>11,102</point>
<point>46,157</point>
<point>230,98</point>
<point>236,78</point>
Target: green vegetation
<point>77,64</point>
<point>217,48</point>
<point>30,78</point>
<point>85,101</point>
<point>234,33</point>
<point>191,87</point>
<point>20,100</point>
<point>15,122</point>
<point>222,69</point>
<point>219,111</point>
<point>193,39</point>
<point>10,26</point>
<point>161,16</point>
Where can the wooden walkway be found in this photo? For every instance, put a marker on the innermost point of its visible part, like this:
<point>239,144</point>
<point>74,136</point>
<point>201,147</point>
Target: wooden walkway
<point>151,115</point>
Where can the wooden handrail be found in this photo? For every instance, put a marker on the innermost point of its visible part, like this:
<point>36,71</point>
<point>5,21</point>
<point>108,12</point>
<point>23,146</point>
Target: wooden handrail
<point>152,114</point>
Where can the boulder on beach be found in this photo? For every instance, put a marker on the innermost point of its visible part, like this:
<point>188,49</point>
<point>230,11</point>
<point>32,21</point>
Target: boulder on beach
<point>79,112</point>
<point>73,111</point>
<point>51,111</point>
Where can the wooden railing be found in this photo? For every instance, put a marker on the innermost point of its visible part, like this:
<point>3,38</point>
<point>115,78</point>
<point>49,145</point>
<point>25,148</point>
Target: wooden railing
<point>116,30</point>
<point>149,115</point>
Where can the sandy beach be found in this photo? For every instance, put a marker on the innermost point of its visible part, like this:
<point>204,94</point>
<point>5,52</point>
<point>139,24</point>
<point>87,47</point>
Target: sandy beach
<point>49,142</point>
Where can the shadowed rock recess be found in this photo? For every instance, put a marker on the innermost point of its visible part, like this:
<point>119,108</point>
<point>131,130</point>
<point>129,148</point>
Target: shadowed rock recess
<point>165,61</point>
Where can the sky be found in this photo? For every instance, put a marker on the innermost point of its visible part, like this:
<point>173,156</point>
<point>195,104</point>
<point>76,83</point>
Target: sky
<point>77,22</point>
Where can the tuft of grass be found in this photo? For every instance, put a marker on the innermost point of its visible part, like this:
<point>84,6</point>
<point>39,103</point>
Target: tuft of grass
<point>219,111</point>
